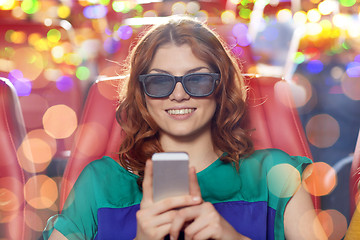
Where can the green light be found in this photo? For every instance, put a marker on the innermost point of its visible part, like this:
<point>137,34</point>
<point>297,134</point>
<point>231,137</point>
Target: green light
<point>8,35</point>
<point>53,35</point>
<point>121,6</point>
<point>82,73</point>
<point>245,13</point>
<point>299,58</point>
<point>30,6</point>
<point>139,8</point>
<point>104,2</point>
<point>346,46</point>
<point>347,3</point>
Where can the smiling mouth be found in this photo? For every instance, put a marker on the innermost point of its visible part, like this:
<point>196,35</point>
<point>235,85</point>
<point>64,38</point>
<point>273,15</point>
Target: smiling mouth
<point>180,111</point>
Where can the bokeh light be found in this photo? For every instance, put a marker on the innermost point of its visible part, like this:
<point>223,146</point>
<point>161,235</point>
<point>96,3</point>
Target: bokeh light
<point>95,11</point>
<point>284,15</point>
<point>300,18</point>
<point>313,15</point>
<point>322,130</point>
<point>315,66</point>
<point>228,17</point>
<point>54,35</point>
<point>327,7</point>
<point>347,3</point>
<point>125,32</point>
<point>29,62</point>
<point>7,4</point>
<point>334,223</point>
<point>41,191</point>
<point>60,121</point>
<point>319,179</point>
<point>64,83</point>
<point>283,173</point>
<point>30,6</point>
<point>178,8</point>
<point>9,200</point>
<point>351,87</point>
<point>22,85</point>
<point>36,151</point>
<point>82,73</point>
<point>240,31</point>
<point>63,11</point>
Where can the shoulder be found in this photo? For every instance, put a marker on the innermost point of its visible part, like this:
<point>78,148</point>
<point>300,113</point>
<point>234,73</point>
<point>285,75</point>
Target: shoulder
<point>268,158</point>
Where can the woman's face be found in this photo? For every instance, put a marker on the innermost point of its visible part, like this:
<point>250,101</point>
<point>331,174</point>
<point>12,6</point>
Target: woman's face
<point>180,115</point>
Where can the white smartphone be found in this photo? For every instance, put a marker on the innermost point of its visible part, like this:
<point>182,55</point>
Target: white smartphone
<point>170,174</point>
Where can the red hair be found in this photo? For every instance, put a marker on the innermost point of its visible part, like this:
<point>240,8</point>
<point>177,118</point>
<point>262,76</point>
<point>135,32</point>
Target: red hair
<point>142,138</point>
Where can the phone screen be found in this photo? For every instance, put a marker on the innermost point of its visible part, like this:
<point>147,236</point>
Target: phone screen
<point>170,174</point>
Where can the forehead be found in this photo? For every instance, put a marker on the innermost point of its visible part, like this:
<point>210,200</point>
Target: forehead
<point>173,58</point>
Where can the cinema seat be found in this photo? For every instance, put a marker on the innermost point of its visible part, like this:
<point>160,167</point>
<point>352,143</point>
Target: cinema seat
<point>12,179</point>
<point>355,177</point>
<point>274,118</point>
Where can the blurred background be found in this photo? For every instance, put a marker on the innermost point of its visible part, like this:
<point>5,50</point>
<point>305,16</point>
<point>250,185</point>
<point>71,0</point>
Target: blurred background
<point>53,50</point>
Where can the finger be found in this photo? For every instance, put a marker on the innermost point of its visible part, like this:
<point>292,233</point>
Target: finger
<point>183,215</point>
<point>147,183</point>
<point>194,187</point>
<point>174,203</point>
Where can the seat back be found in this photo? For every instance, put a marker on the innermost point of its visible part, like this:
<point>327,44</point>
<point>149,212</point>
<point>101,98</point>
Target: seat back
<point>12,180</point>
<point>273,117</point>
<point>355,177</point>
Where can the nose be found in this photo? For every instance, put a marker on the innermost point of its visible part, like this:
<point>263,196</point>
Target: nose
<point>179,93</point>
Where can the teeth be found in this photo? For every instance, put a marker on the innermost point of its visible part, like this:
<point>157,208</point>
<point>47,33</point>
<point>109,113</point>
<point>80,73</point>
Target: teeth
<point>180,111</point>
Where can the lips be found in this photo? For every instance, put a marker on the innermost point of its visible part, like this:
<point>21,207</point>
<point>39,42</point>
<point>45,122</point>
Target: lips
<point>182,111</point>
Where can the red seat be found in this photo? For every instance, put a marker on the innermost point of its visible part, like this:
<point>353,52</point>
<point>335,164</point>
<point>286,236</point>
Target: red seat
<point>274,118</point>
<point>355,177</point>
<point>12,179</point>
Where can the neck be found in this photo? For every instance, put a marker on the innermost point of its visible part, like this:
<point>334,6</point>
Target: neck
<point>200,148</point>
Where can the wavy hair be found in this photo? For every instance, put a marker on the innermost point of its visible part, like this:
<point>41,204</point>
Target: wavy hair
<point>141,132</point>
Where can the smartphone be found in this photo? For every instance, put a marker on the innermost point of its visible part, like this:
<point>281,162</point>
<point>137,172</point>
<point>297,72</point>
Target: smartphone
<point>170,174</point>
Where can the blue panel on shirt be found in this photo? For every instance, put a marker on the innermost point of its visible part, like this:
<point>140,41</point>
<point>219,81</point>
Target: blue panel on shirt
<point>248,218</point>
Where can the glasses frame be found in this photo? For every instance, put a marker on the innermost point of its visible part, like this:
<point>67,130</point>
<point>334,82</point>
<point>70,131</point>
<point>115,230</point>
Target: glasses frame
<point>176,79</point>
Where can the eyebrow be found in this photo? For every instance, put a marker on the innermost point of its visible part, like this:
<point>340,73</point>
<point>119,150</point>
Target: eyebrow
<point>189,71</point>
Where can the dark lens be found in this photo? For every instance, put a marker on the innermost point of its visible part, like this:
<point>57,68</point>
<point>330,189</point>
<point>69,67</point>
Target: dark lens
<point>199,84</point>
<point>158,85</point>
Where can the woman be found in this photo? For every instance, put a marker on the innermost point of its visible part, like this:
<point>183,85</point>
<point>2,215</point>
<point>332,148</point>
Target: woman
<point>185,93</point>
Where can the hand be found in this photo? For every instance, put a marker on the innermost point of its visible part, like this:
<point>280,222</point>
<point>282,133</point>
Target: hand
<point>154,218</point>
<point>202,221</point>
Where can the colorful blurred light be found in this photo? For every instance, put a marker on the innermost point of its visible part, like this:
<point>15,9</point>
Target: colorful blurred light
<point>53,35</point>
<point>322,130</point>
<point>192,7</point>
<point>95,11</point>
<point>121,6</point>
<point>353,69</point>
<point>319,179</point>
<point>340,21</point>
<point>283,173</point>
<point>125,32</point>
<point>245,13</point>
<point>347,3</point>
<point>334,223</point>
<point>300,18</point>
<point>18,37</point>
<point>30,6</point>
<point>29,62</point>
<point>64,83</point>
<point>299,58</point>
<point>284,15</point>
<point>315,66</point>
<point>60,121</point>
<point>313,15</point>
<point>327,7</point>
<point>228,17</point>
<point>7,4</point>
<point>82,73</point>
<point>41,191</point>
<point>111,45</point>
<point>240,31</point>
<point>178,8</point>
<point>63,11</point>
<point>22,85</point>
